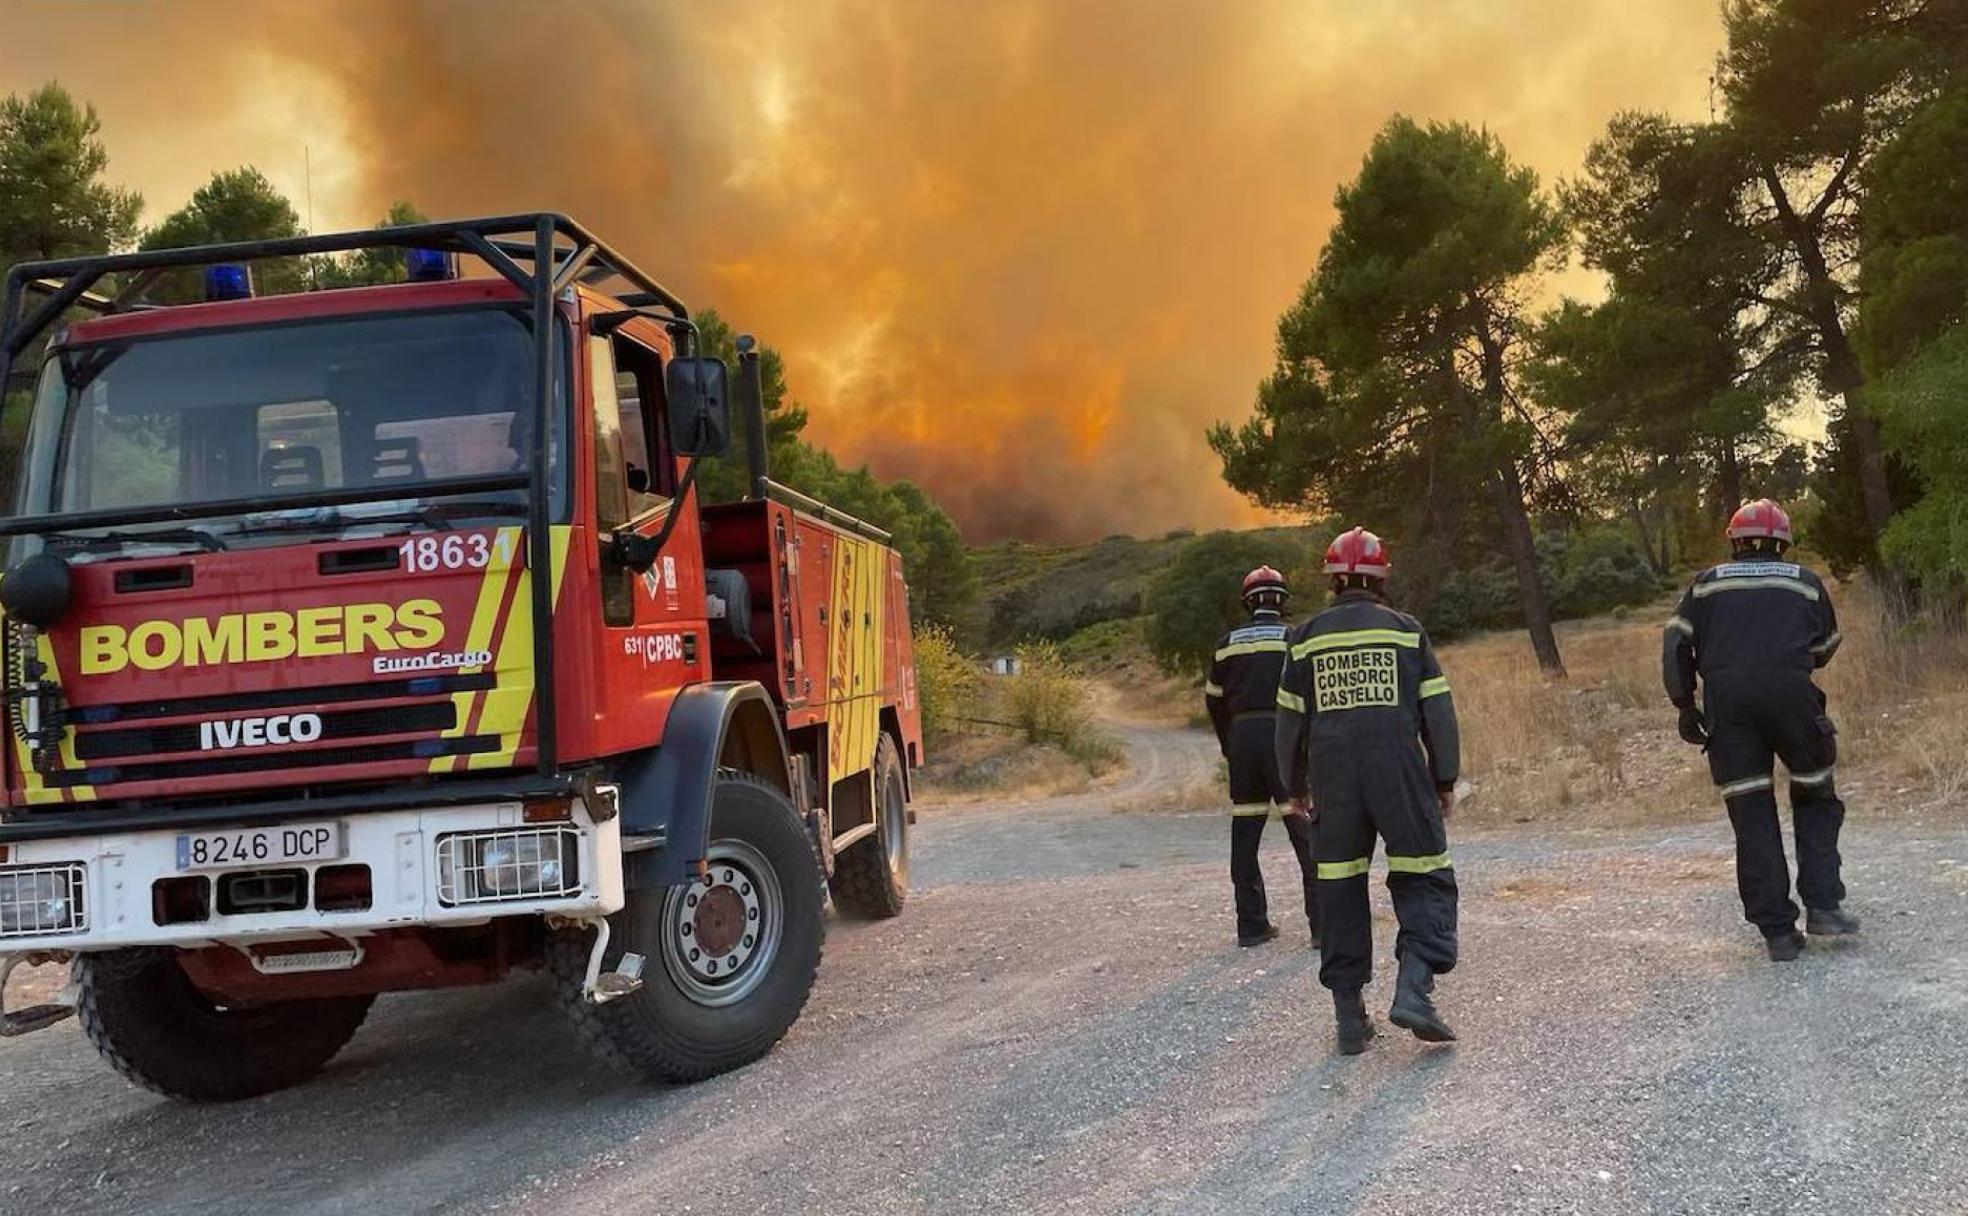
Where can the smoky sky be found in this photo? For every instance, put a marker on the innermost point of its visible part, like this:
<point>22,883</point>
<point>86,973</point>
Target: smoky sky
<point>1022,252</point>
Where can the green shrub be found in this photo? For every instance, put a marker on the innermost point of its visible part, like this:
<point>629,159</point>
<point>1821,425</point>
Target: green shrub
<point>1103,647</point>
<point>1045,700</point>
<point>948,685</point>
<point>1047,703</point>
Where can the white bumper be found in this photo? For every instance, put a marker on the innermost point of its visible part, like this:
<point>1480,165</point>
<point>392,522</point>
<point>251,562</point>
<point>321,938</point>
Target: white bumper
<point>116,874</point>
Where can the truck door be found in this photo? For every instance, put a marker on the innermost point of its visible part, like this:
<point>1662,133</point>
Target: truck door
<point>652,627</point>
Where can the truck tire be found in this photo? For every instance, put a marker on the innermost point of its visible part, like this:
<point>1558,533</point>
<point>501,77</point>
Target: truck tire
<point>728,964</point>
<point>148,1021</point>
<point>871,876</point>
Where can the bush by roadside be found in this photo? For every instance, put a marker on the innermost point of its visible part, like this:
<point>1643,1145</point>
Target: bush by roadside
<point>1047,702</point>
<point>1033,733</point>
<point>948,684</point>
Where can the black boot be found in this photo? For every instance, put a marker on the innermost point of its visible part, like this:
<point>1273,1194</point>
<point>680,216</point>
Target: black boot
<point>1355,1026</point>
<point>1266,934</point>
<point>1785,947</point>
<point>1829,922</point>
<point>1413,1010</point>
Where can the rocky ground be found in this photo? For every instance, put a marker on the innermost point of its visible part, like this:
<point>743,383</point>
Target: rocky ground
<point>1060,1023</point>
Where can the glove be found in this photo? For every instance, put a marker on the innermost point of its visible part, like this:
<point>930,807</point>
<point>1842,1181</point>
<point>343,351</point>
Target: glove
<point>1693,727</point>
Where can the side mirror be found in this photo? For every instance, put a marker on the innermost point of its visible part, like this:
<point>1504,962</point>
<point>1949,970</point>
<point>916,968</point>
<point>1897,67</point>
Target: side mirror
<point>700,406</point>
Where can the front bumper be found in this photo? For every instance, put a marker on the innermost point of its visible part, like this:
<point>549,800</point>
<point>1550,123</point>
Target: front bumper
<point>116,876</point>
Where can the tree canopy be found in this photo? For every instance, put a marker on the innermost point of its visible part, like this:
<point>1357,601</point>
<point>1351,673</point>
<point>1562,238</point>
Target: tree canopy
<point>53,201</point>
<point>1397,395</point>
<point>1200,595</point>
<point>234,205</point>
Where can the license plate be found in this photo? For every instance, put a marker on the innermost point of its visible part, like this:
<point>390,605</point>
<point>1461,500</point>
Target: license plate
<point>235,847</point>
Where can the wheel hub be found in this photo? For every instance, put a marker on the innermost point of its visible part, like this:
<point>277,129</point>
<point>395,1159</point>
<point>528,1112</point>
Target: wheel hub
<point>720,920</point>
<point>722,929</point>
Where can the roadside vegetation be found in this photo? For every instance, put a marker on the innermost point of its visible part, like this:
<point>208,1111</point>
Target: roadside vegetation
<point>1601,746</point>
<point>1032,733</point>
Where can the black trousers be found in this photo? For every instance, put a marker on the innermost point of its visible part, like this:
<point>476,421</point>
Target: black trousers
<point>1380,790</point>
<point>1753,718</point>
<point>1256,790</point>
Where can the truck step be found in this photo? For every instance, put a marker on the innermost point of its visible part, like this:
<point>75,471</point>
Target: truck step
<point>623,981</point>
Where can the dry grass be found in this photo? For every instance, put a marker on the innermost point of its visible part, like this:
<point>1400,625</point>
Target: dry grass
<point>1900,697</point>
<point>1600,746</point>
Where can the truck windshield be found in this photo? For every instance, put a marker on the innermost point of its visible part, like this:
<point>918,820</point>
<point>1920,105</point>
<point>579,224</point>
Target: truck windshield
<point>383,403</point>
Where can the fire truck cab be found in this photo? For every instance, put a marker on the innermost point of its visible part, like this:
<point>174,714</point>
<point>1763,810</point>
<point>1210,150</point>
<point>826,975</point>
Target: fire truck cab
<point>377,639</point>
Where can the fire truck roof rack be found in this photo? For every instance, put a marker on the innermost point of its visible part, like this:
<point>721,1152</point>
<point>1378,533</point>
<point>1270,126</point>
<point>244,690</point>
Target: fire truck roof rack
<point>780,492</point>
<point>572,252</point>
<point>542,254</point>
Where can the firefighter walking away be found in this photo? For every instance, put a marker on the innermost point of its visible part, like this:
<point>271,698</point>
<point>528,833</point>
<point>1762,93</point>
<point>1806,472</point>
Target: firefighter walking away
<point>1242,696</point>
<point>1747,636</point>
<point>1366,736</point>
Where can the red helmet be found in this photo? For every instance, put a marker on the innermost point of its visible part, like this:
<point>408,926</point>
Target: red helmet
<point>1758,519</point>
<point>1357,551</point>
<point>1264,579</point>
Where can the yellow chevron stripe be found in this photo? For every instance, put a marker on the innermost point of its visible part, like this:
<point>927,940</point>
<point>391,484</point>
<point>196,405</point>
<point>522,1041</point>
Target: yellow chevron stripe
<point>485,620</point>
<point>508,703</point>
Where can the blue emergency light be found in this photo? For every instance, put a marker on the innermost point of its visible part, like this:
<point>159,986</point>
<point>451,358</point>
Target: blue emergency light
<point>228,282</point>
<point>429,265</point>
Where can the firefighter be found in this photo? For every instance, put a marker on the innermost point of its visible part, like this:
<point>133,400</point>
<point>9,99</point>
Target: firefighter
<point>1242,697</point>
<point>1753,629</point>
<point>1367,742</point>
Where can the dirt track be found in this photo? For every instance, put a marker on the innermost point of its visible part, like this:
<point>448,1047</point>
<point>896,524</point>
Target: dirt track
<point>1059,1023</point>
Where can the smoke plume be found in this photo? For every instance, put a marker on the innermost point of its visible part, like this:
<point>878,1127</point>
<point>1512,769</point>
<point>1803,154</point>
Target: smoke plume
<point>1022,252</point>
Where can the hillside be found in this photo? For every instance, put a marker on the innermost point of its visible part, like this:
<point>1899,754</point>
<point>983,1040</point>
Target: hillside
<point>1033,591</point>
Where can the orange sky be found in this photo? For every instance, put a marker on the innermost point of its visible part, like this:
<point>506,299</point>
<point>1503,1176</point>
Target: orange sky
<point>1022,252</point>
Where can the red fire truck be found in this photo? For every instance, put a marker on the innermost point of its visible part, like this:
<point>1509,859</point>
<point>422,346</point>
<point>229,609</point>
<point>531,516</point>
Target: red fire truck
<point>377,639</point>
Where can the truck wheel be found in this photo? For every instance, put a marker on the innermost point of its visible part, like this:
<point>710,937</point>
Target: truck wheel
<point>152,1025</point>
<point>728,963</point>
<point>871,877</point>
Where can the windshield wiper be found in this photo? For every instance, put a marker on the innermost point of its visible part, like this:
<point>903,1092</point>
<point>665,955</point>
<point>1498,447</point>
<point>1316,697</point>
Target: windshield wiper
<point>331,519</point>
<point>436,515</point>
<point>166,536</point>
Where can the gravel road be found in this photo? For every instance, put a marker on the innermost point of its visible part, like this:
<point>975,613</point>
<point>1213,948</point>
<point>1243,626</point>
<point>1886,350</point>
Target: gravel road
<point>1061,1023</point>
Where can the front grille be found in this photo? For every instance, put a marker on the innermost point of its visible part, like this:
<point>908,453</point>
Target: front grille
<point>43,899</point>
<point>257,762</point>
<point>281,698</point>
<point>335,724</point>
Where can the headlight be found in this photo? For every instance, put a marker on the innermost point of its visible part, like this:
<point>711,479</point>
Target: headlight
<point>517,866</point>
<point>42,899</point>
<point>482,867</point>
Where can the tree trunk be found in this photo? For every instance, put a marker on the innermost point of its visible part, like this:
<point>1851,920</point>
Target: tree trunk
<point>1729,479</point>
<point>1637,512</point>
<point>1843,375</point>
<point>1508,492</point>
<point>1665,566</point>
